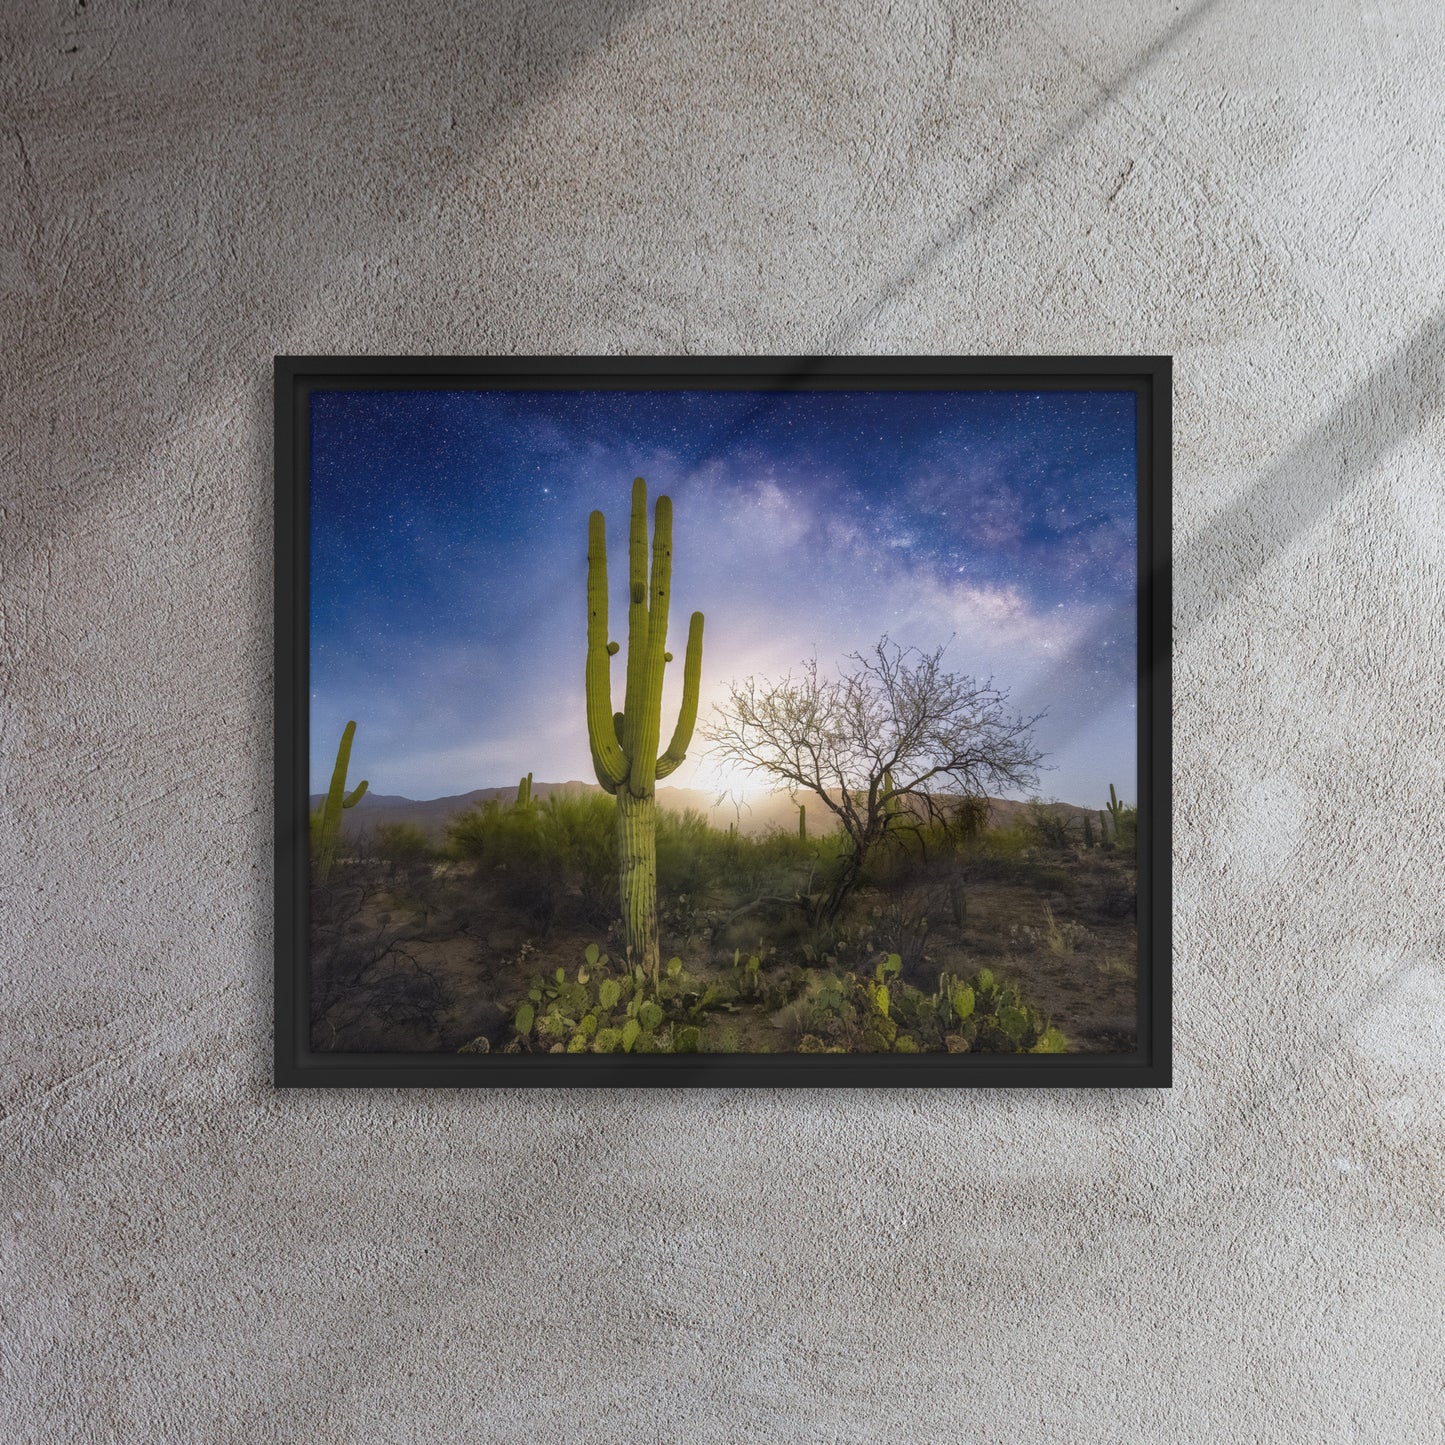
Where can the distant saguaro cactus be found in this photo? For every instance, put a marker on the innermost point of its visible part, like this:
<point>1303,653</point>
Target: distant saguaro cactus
<point>624,744</point>
<point>326,833</point>
<point>524,791</point>
<point>1125,822</point>
<point>1116,813</point>
<point>802,822</point>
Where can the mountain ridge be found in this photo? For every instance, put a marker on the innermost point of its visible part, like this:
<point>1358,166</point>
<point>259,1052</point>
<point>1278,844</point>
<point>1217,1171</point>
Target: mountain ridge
<point>760,815</point>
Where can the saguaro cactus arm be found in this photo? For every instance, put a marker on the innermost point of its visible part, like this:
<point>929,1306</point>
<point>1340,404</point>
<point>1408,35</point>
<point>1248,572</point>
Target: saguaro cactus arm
<point>646,731</point>
<point>687,714</point>
<point>608,758</point>
<point>337,797</point>
<point>637,621</point>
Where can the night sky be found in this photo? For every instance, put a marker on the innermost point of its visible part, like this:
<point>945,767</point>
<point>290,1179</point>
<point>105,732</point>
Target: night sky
<point>449,541</point>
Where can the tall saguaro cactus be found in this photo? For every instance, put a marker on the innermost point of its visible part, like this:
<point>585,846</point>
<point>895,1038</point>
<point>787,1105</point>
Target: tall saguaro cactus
<point>802,822</point>
<point>326,838</point>
<point>624,744</point>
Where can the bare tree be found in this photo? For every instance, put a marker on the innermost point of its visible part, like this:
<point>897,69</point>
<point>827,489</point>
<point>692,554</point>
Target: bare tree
<point>890,742</point>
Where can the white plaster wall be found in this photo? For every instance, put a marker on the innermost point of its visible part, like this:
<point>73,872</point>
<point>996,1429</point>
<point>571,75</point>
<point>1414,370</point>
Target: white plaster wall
<point>188,189</point>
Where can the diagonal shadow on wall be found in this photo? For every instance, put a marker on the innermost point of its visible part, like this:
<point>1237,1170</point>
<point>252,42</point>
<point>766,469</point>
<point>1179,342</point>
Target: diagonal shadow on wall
<point>846,329</point>
<point>1290,497</point>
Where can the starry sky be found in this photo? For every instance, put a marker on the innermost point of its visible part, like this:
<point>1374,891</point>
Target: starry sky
<point>449,540</point>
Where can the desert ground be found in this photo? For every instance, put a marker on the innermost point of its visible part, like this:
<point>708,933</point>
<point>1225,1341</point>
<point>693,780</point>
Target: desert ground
<point>489,923</point>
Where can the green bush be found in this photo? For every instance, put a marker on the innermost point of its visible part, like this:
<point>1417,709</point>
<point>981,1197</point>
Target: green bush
<point>403,845</point>
<point>559,856</point>
<point>690,854</point>
<point>1048,828</point>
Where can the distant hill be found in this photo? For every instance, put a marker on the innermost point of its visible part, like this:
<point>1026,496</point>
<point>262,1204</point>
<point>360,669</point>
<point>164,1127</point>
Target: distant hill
<point>760,815</point>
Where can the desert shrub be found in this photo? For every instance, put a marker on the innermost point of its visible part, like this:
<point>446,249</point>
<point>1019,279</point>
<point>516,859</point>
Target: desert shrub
<point>1107,886</point>
<point>780,866</point>
<point>901,923</point>
<point>1027,869</point>
<point>580,833</point>
<point>690,854</point>
<point>953,828</point>
<point>403,845</point>
<point>1010,841</point>
<point>1047,827</point>
<point>487,833</point>
<point>1049,878</point>
<point>544,859</point>
<point>1059,937</point>
<point>1117,968</point>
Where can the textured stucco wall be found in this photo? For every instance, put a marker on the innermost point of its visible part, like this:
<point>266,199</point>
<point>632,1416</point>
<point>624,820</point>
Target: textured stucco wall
<point>189,1256</point>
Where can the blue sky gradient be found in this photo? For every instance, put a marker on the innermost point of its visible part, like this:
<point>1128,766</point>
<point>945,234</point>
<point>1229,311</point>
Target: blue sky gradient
<point>448,562</point>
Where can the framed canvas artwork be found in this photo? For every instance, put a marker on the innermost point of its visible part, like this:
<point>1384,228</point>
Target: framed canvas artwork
<point>685,721</point>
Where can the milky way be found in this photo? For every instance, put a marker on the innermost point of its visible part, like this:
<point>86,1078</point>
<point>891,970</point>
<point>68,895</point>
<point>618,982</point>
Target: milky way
<point>448,561</point>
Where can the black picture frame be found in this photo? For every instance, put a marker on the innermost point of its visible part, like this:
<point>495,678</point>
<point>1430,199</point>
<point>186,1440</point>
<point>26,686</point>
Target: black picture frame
<point>296,1065</point>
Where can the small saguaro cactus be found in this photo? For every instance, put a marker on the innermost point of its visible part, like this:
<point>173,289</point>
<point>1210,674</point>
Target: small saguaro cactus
<point>624,744</point>
<point>1124,819</point>
<point>524,791</point>
<point>802,822</point>
<point>1116,809</point>
<point>326,835</point>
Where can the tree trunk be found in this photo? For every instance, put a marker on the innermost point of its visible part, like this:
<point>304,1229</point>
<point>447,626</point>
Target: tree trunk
<point>637,876</point>
<point>848,874</point>
<point>958,901</point>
